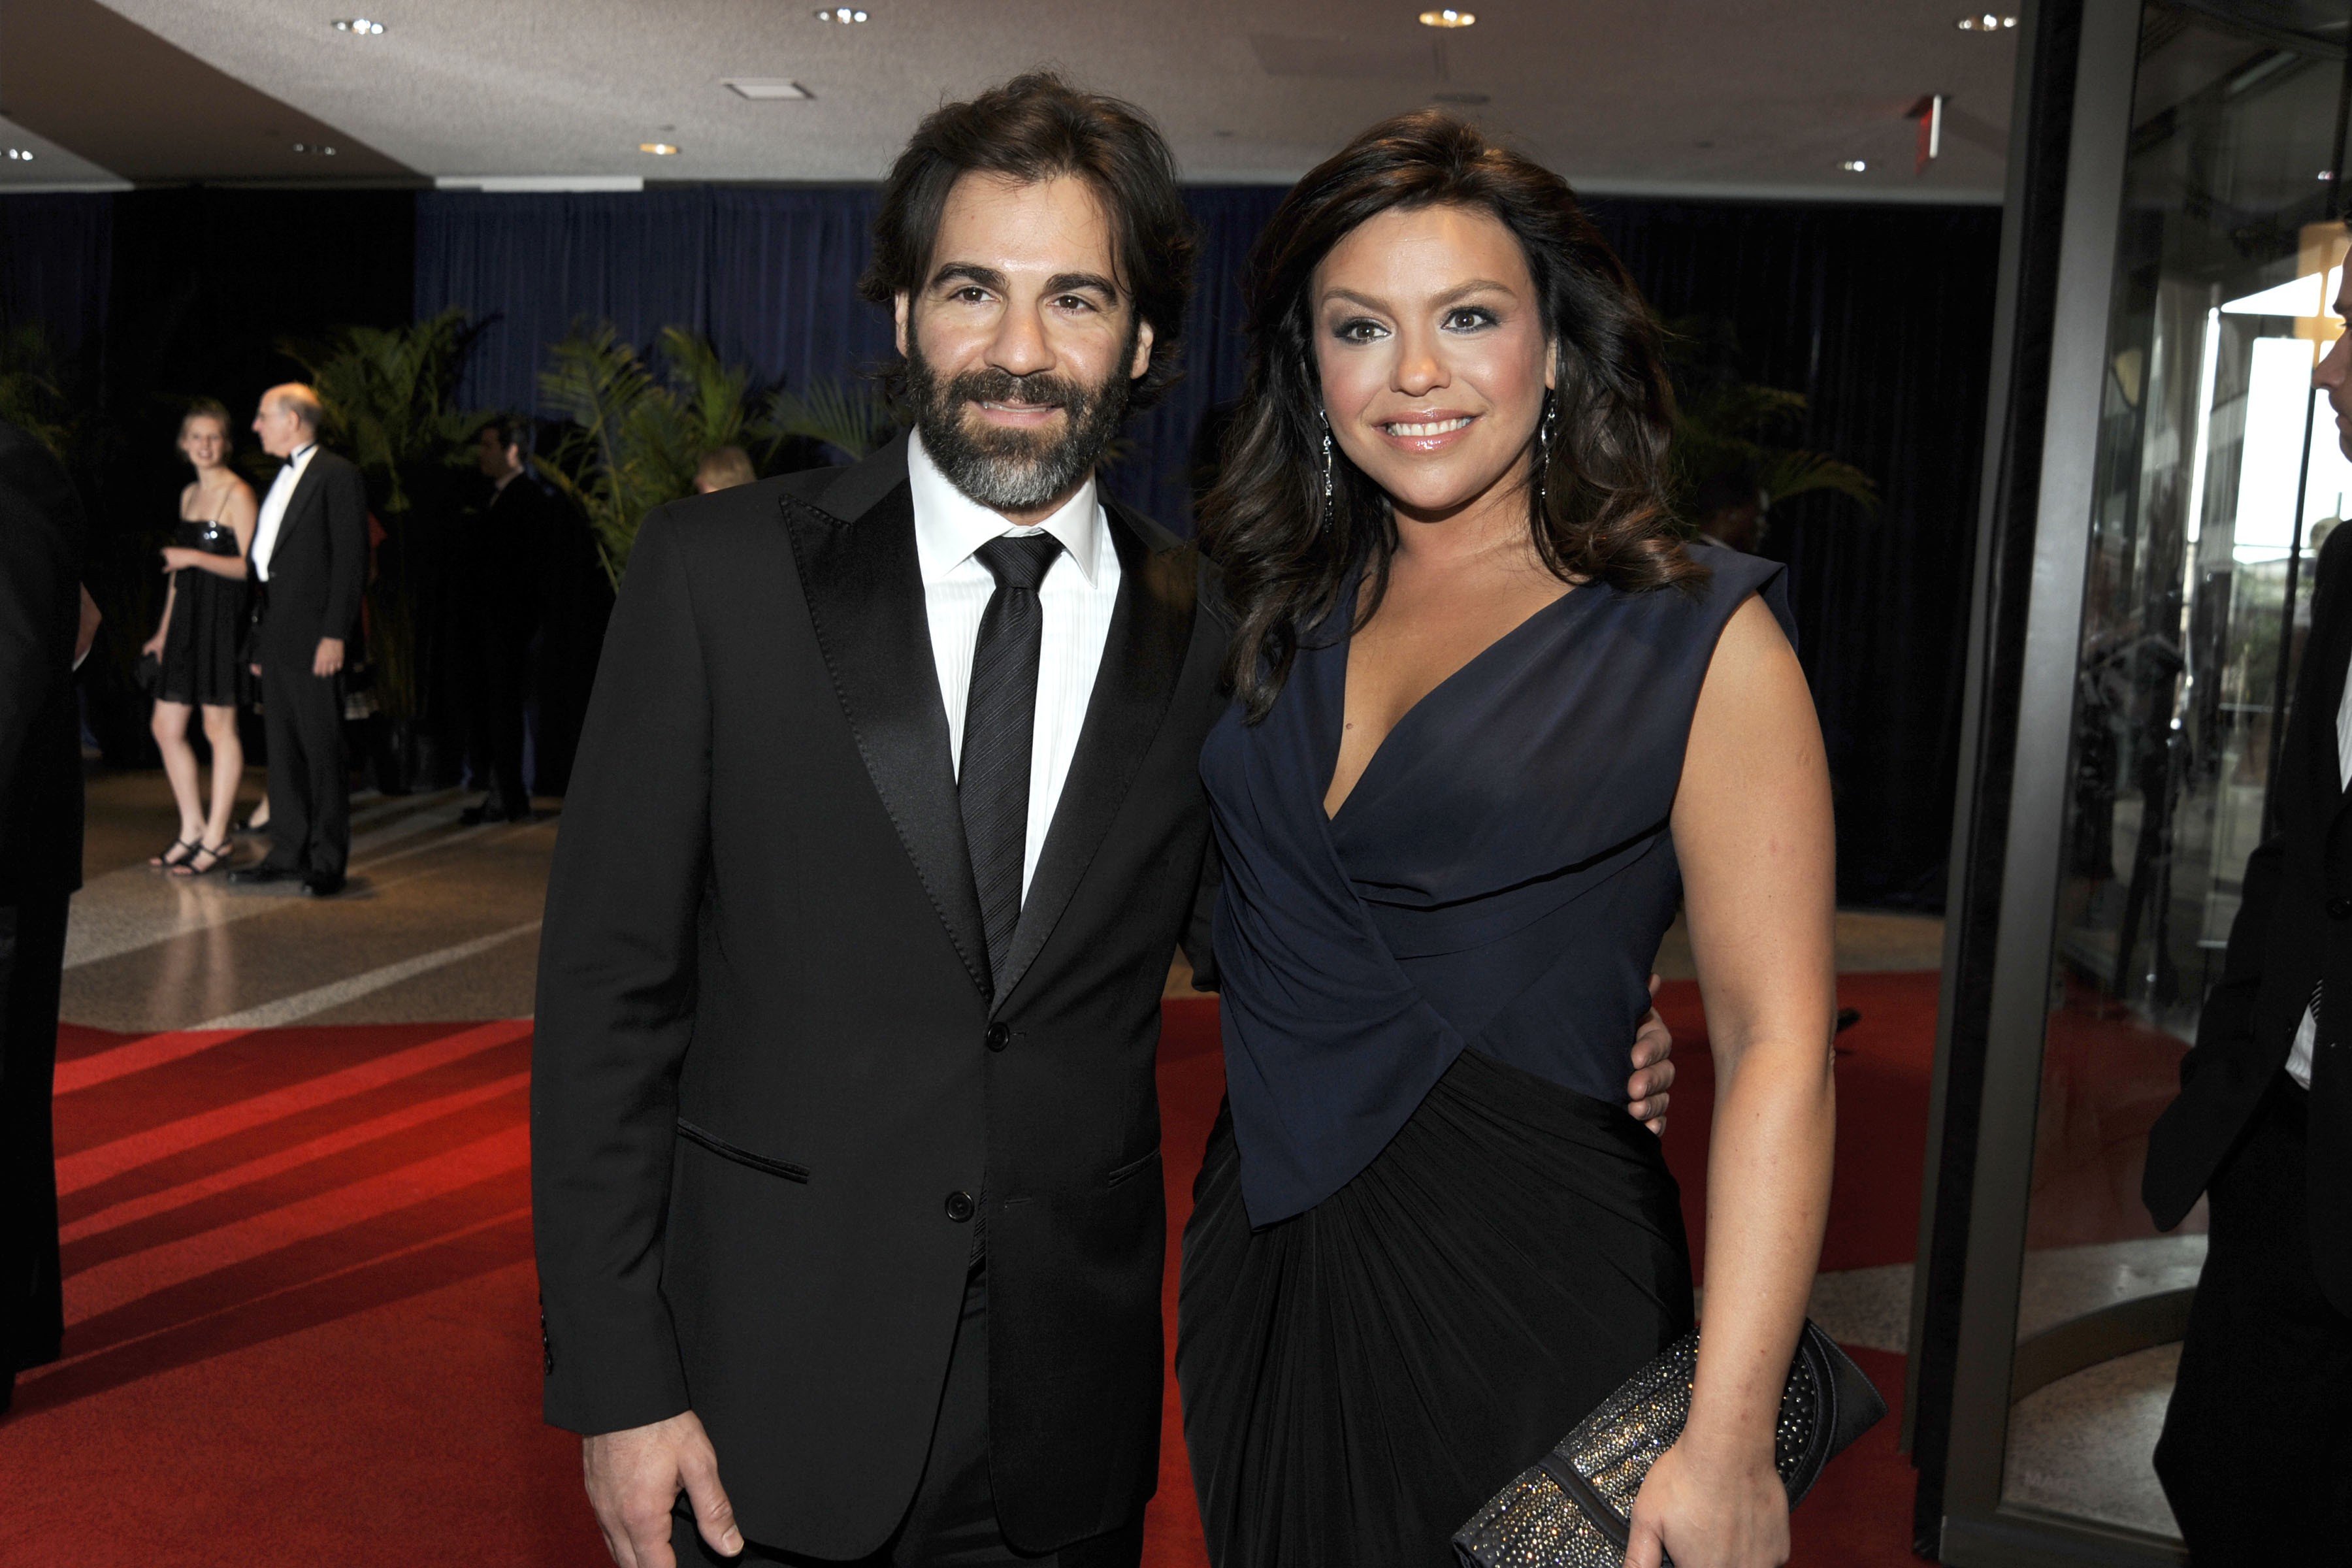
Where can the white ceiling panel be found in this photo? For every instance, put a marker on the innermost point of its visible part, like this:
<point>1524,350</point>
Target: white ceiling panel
<point>1732,95</point>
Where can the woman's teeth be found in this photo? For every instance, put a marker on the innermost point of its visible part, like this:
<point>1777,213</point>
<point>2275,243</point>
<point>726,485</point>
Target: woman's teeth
<point>1435,427</point>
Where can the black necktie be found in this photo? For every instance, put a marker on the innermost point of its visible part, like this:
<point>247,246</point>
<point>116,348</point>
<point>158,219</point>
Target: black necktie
<point>999,718</point>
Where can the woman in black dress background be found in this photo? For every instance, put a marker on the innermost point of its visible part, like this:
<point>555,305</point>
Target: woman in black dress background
<point>201,642</point>
<point>1493,719</point>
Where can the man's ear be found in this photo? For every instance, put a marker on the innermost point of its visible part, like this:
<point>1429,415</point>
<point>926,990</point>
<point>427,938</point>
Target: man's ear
<point>902,312</point>
<point>1142,352</point>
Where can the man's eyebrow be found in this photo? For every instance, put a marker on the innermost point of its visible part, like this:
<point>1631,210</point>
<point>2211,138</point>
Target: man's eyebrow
<point>1071,282</point>
<point>969,272</point>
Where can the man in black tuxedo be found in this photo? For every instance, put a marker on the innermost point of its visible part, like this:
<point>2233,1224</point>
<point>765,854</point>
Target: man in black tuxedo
<point>2256,1454</point>
<point>308,564</point>
<point>886,825</point>
<point>42,635</point>
<point>499,567</point>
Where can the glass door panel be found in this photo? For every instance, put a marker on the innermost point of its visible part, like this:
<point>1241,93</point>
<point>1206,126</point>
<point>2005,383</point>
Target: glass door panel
<point>2216,480</point>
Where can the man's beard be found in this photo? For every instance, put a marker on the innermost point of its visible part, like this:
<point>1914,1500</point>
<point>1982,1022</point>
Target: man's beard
<point>1014,470</point>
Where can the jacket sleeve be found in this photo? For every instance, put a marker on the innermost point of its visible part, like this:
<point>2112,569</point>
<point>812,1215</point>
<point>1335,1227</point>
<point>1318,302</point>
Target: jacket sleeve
<point>37,516</point>
<point>345,499</point>
<point>616,1004</point>
<point>2226,1024</point>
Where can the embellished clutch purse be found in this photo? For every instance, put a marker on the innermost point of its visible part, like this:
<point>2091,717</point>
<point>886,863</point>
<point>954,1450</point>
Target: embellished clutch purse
<point>1573,1509</point>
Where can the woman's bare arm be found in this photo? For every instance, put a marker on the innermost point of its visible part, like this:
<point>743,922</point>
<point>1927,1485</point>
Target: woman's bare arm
<point>1752,831</point>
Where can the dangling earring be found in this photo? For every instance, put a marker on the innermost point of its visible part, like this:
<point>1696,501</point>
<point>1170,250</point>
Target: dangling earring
<point>1544,434</point>
<point>1328,507</point>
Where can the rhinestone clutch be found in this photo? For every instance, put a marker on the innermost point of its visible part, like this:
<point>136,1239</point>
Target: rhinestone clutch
<point>1572,1508</point>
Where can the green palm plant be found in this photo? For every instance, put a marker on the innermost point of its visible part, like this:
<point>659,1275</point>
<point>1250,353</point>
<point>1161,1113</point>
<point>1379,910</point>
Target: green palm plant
<point>853,420</point>
<point>636,434</point>
<point>1725,424</point>
<point>391,403</point>
<point>31,395</point>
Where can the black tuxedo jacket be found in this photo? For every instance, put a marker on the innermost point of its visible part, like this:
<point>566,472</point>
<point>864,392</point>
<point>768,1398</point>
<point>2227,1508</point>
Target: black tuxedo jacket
<point>319,564</point>
<point>2294,929</point>
<point>40,613</point>
<point>772,1074</point>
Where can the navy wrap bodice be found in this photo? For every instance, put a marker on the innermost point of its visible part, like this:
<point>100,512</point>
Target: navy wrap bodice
<point>1499,877</point>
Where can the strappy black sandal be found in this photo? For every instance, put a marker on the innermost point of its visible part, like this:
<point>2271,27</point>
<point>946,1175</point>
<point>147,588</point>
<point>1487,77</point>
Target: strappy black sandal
<point>164,862</point>
<point>188,867</point>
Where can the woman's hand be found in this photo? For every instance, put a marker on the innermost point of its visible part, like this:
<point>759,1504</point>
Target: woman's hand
<point>153,644</point>
<point>1710,1509</point>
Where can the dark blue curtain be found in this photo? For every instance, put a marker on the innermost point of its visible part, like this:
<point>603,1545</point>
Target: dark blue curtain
<point>771,277</point>
<point>57,253</point>
<point>1883,317</point>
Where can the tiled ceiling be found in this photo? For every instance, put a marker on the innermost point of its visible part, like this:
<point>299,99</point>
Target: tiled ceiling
<point>1726,97</point>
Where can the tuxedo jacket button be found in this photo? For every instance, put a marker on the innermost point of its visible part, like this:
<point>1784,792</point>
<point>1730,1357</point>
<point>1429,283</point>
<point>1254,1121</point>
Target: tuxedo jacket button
<point>961,1208</point>
<point>998,1037</point>
<point>2341,909</point>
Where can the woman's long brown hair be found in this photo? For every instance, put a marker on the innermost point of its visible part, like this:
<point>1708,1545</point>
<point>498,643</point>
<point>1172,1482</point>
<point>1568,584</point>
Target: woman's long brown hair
<point>1605,517</point>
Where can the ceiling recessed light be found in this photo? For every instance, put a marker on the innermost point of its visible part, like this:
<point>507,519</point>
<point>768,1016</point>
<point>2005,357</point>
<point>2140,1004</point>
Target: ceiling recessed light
<point>842,13</point>
<point>1985,22</point>
<point>1448,17</point>
<point>1854,165</point>
<point>359,26</point>
<point>658,149</point>
<point>19,155</point>
<point>764,86</point>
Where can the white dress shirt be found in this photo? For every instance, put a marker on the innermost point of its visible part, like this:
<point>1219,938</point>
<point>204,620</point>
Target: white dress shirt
<point>2306,1039</point>
<point>1078,596</point>
<point>273,510</point>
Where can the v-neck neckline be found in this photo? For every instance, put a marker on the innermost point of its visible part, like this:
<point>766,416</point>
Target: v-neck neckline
<point>1346,647</point>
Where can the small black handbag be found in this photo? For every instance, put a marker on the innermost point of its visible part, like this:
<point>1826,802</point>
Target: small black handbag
<point>1573,1509</point>
<point>148,673</point>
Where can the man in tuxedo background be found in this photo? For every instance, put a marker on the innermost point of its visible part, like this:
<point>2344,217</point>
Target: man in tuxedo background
<point>44,628</point>
<point>309,562</point>
<point>886,825</point>
<point>2256,1454</point>
<point>499,565</point>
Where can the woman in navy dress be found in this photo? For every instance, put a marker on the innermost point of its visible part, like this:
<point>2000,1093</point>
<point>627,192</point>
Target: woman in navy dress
<point>1493,719</point>
<point>200,646</point>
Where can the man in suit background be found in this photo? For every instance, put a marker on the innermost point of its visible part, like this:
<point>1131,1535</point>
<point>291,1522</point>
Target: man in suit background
<point>499,562</point>
<point>43,633</point>
<point>2256,1454</point>
<point>886,825</point>
<point>308,561</point>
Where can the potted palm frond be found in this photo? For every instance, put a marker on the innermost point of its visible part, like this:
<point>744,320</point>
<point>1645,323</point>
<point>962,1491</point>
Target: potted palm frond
<point>1727,427</point>
<point>636,434</point>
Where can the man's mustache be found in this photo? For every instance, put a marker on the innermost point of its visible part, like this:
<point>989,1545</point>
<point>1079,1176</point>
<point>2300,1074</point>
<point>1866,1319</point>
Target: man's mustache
<point>1041,390</point>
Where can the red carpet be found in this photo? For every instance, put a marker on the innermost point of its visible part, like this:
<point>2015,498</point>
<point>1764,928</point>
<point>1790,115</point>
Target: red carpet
<point>301,1299</point>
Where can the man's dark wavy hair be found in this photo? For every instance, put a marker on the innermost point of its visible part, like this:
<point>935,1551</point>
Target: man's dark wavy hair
<point>1605,518</point>
<point>1034,128</point>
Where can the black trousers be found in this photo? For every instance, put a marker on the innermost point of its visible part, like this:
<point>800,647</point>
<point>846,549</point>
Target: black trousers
<point>309,773</point>
<point>2256,1454</point>
<point>32,958</point>
<point>952,1522</point>
<point>501,659</point>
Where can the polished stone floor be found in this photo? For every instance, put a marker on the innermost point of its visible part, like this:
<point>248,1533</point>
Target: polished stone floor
<point>440,922</point>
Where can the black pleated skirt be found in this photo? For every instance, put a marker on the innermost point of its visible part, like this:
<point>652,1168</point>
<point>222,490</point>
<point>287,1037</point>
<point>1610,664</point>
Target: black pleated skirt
<point>204,647</point>
<point>1359,1379</point>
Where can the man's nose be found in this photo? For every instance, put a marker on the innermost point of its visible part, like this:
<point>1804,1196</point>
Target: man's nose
<point>1020,347</point>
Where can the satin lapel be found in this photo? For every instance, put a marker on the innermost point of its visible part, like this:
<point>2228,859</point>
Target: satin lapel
<point>865,596</point>
<point>305,488</point>
<point>1151,630</point>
